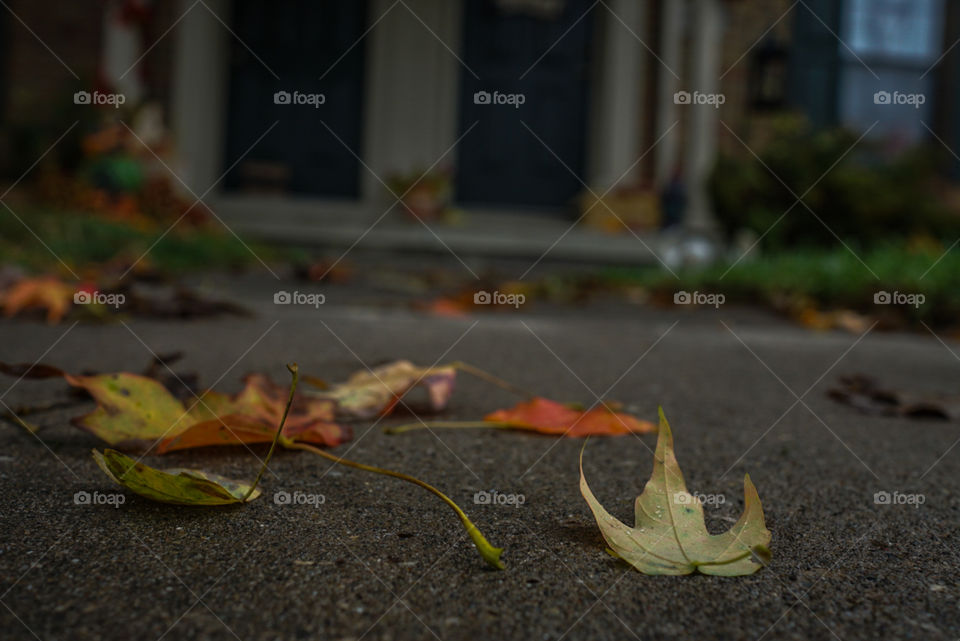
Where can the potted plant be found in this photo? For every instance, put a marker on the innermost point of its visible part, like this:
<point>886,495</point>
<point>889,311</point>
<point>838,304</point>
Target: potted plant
<point>423,195</point>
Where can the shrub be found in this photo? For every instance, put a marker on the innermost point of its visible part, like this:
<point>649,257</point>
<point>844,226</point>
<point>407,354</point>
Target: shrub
<point>869,198</point>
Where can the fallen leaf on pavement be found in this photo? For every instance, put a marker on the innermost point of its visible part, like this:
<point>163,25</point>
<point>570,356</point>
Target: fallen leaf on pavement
<point>865,394</point>
<point>445,307</point>
<point>134,412</point>
<point>844,319</point>
<point>190,487</point>
<point>175,301</point>
<point>670,535</point>
<point>178,486</point>
<point>249,417</point>
<point>376,392</point>
<point>44,292</point>
<point>326,271</point>
<point>31,370</point>
<point>805,311</point>
<point>547,417</point>
<point>550,417</point>
<point>182,384</point>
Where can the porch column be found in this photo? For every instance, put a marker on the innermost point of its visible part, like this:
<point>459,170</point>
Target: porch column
<point>670,66</point>
<point>617,105</point>
<point>198,104</point>
<point>704,119</point>
<point>412,90</point>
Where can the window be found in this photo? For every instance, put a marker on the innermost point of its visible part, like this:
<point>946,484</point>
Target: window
<point>887,51</point>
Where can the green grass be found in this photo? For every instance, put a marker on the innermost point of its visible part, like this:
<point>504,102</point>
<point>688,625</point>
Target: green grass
<point>833,279</point>
<point>81,239</point>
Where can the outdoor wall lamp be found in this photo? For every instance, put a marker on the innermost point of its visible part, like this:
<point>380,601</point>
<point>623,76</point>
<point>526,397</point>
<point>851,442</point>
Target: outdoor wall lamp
<point>767,82</point>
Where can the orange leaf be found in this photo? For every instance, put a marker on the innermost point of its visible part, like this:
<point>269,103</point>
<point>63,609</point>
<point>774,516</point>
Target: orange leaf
<point>134,412</point>
<point>46,292</point>
<point>252,416</point>
<point>447,307</point>
<point>550,417</point>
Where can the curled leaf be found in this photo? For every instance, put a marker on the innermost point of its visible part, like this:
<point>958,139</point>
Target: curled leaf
<point>670,536</point>
<point>189,487</point>
<point>376,392</point>
<point>177,486</point>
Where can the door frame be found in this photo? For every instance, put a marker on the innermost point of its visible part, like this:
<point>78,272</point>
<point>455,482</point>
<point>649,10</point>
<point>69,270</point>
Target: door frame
<point>398,133</point>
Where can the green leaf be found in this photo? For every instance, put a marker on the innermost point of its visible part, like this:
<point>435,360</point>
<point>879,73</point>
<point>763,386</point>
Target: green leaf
<point>178,486</point>
<point>136,412</point>
<point>670,536</point>
<point>132,411</point>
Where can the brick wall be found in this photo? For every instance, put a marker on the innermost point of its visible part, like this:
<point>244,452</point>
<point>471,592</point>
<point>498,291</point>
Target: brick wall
<point>35,79</point>
<point>747,22</point>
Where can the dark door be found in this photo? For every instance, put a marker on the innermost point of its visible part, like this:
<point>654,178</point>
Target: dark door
<point>6,44</point>
<point>501,163</point>
<point>300,40</point>
<point>815,60</point>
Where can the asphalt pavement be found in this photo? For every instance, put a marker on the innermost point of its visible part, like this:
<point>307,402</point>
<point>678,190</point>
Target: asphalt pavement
<point>371,557</point>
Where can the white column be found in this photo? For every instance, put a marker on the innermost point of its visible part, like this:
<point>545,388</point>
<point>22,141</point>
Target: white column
<point>704,120</point>
<point>412,89</point>
<point>198,105</point>
<point>617,105</point>
<point>669,67</point>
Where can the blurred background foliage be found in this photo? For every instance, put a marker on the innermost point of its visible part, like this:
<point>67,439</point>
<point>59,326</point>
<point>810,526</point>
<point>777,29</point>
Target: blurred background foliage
<point>875,195</point>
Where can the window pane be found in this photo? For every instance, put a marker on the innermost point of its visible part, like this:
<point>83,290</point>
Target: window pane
<point>899,111</point>
<point>904,29</point>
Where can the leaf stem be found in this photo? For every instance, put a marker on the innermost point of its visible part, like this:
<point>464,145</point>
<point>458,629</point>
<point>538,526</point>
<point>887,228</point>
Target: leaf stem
<point>489,553</point>
<point>295,375</point>
<point>14,418</point>
<point>15,414</point>
<point>25,410</point>
<point>490,378</point>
